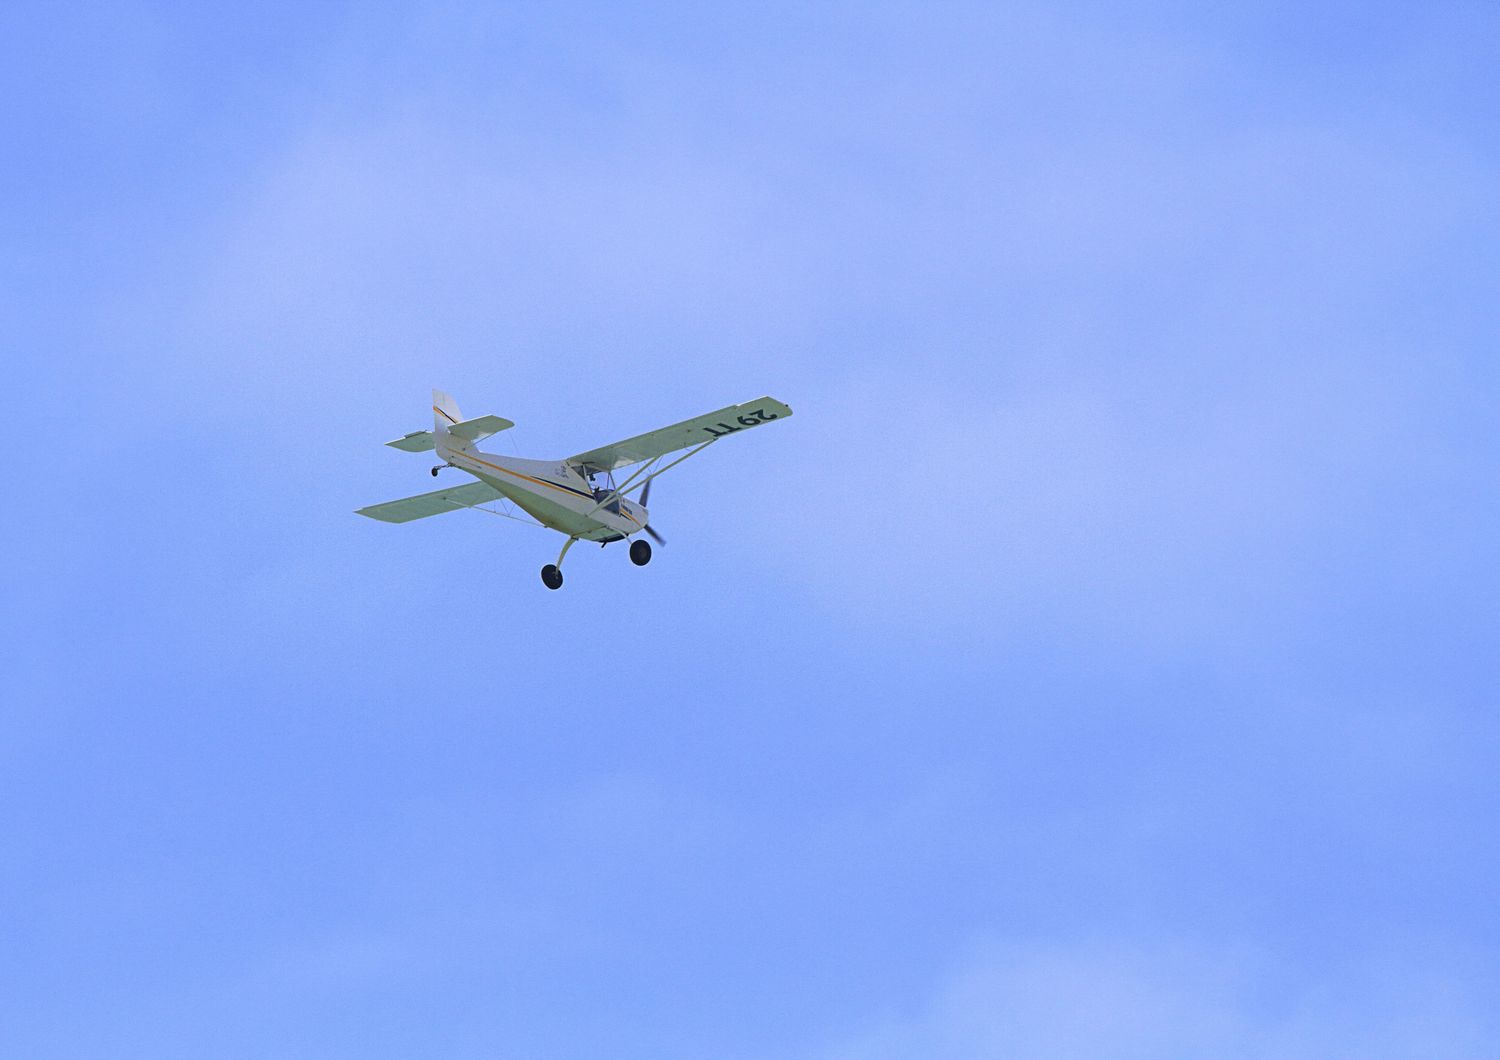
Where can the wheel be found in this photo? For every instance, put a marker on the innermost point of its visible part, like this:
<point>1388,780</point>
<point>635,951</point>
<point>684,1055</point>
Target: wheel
<point>551,577</point>
<point>640,553</point>
<point>434,472</point>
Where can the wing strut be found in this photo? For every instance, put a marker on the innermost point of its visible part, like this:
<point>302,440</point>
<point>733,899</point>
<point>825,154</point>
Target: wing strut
<point>619,491</point>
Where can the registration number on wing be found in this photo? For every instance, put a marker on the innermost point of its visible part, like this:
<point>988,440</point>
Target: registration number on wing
<point>752,419</point>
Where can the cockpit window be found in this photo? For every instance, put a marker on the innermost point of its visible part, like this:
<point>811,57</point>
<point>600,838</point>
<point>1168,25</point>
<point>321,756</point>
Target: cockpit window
<point>603,484</point>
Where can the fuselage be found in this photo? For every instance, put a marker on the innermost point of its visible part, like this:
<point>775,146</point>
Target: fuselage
<point>554,493</point>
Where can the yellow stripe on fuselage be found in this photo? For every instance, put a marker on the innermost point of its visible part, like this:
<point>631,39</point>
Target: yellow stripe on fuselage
<point>543,482</point>
<point>529,478</point>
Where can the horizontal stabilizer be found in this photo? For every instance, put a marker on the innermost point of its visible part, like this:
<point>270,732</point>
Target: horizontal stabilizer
<point>435,503</point>
<point>480,427</point>
<point>474,430</point>
<point>415,442</point>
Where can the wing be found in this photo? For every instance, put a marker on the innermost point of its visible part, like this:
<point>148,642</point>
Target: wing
<point>435,503</point>
<point>705,428</point>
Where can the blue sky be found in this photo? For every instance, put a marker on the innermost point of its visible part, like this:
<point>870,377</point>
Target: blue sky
<point>1101,662</point>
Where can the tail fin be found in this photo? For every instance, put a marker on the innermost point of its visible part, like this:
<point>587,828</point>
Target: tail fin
<point>445,410</point>
<point>444,415</point>
<point>451,431</point>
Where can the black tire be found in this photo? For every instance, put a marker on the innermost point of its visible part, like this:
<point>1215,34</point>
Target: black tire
<point>640,553</point>
<point>551,577</point>
<point>434,472</point>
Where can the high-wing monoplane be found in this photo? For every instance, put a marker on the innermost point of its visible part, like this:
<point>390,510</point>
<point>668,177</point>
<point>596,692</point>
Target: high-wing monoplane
<point>578,496</point>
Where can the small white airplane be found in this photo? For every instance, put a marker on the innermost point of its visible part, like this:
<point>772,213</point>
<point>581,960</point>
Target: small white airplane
<point>578,496</point>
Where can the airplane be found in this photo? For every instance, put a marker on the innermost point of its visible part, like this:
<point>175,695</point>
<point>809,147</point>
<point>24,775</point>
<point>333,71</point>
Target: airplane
<point>578,496</point>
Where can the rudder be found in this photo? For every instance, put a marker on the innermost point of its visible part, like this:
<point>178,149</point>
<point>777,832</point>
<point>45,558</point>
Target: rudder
<point>445,410</point>
<point>444,415</point>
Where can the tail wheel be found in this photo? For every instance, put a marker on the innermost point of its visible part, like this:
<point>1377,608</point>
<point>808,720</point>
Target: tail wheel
<point>551,576</point>
<point>640,553</point>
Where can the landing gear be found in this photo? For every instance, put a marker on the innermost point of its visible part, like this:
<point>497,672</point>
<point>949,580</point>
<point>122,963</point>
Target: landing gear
<point>436,469</point>
<point>640,553</point>
<point>552,572</point>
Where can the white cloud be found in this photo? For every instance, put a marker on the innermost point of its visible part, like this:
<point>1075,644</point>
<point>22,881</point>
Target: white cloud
<point>1107,507</point>
<point>1125,1000</point>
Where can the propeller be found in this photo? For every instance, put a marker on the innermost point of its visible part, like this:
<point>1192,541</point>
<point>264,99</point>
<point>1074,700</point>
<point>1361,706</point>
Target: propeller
<point>645,493</point>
